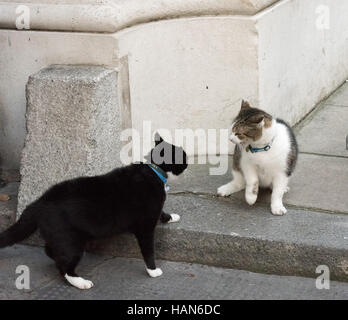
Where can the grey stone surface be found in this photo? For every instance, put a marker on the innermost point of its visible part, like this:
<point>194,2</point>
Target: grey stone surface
<point>121,278</point>
<point>42,270</point>
<point>73,124</point>
<point>318,183</point>
<point>197,178</point>
<point>321,183</point>
<point>340,97</point>
<point>326,132</point>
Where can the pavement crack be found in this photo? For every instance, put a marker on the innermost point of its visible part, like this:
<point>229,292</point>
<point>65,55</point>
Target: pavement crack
<point>194,193</point>
<point>324,155</point>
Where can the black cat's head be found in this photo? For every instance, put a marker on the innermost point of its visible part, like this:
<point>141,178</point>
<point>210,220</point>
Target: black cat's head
<point>168,157</point>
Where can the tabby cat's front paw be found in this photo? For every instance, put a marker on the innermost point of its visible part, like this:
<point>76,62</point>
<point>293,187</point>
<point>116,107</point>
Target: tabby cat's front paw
<point>225,190</point>
<point>250,198</point>
<point>278,209</point>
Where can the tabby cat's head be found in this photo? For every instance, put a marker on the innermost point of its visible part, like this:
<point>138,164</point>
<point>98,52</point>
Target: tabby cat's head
<point>249,124</point>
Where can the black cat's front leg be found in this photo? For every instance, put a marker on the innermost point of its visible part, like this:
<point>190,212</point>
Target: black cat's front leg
<point>165,217</point>
<point>168,218</point>
<point>147,247</point>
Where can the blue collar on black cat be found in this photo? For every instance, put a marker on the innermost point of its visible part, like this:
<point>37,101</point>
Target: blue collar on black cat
<point>265,148</point>
<point>160,173</point>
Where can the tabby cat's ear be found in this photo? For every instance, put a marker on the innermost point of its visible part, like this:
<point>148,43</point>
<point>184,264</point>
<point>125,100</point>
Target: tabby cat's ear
<point>245,104</point>
<point>158,138</point>
<point>258,119</point>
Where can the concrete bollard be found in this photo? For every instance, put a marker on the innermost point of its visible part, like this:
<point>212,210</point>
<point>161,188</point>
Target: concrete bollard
<point>73,127</point>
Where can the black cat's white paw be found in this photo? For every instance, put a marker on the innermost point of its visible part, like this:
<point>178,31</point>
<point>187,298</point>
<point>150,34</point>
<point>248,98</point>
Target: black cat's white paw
<point>154,273</point>
<point>174,218</point>
<point>79,282</point>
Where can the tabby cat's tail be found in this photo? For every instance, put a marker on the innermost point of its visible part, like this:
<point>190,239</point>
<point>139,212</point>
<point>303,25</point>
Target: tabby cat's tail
<point>22,229</point>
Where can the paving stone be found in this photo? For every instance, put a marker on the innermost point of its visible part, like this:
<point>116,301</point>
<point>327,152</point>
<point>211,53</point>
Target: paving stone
<point>318,182</point>
<point>340,97</point>
<point>121,278</point>
<point>197,178</point>
<point>42,270</point>
<point>326,132</point>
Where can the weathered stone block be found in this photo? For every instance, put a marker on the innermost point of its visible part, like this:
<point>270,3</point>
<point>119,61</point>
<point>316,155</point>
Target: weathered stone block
<point>73,127</point>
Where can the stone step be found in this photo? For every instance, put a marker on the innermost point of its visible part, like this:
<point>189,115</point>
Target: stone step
<point>226,232</point>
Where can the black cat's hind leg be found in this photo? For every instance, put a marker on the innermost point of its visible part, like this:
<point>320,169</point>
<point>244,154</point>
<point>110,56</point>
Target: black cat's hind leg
<point>147,247</point>
<point>67,255</point>
<point>168,218</point>
<point>49,252</point>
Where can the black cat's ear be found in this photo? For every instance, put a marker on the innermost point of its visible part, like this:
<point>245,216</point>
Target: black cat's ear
<point>245,104</point>
<point>158,139</point>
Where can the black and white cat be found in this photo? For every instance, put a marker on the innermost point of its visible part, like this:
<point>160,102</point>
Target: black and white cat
<point>265,155</point>
<point>127,199</point>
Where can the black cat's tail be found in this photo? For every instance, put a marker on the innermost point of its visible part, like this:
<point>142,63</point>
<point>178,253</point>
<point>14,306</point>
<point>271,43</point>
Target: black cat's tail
<point>22,229</point>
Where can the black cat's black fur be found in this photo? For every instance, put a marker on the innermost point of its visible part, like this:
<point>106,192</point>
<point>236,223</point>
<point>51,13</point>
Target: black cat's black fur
<point>127,199</point>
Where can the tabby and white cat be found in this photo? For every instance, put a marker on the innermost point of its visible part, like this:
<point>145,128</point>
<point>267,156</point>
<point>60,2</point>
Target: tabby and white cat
<point>264,156</point>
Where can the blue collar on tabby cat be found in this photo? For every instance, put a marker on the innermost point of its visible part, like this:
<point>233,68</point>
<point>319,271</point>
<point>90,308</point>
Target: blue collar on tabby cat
<point>265,148</point>
<point>160,173</point>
